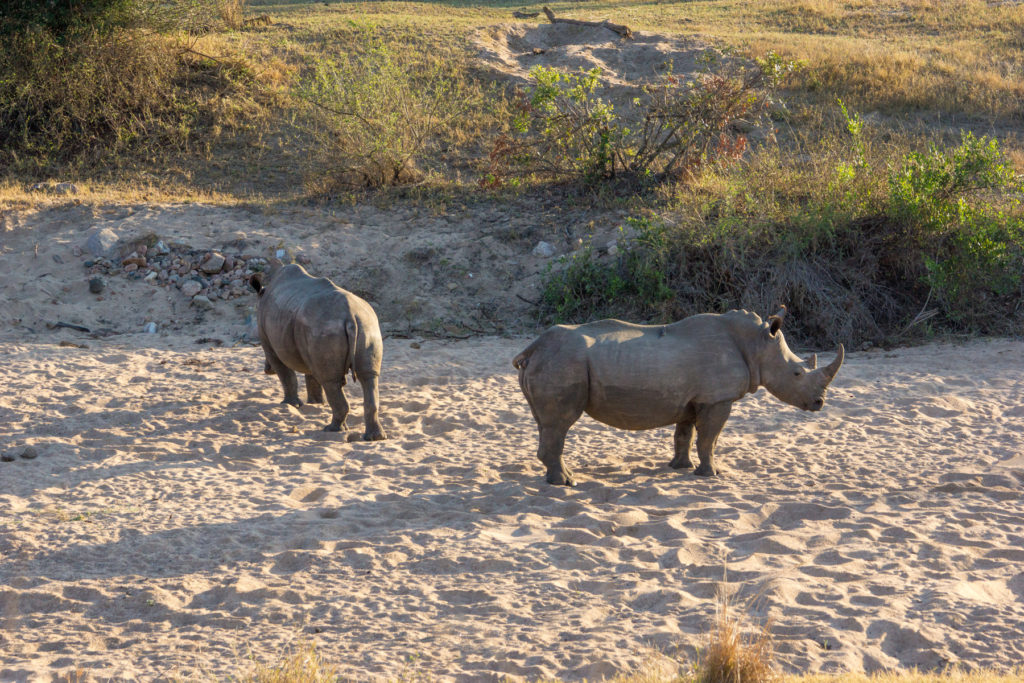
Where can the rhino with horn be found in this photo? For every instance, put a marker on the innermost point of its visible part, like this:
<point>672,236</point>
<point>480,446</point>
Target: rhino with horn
<point>688,374</point>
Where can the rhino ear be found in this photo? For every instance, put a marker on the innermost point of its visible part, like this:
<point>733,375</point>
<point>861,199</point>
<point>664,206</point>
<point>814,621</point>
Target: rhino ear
<point>775,322</point>
<point>256,282</point>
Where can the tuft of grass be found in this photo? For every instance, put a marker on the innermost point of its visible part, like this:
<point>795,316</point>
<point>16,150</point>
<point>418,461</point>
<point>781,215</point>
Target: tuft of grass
<point>303,665</point>
<point>734,654</point>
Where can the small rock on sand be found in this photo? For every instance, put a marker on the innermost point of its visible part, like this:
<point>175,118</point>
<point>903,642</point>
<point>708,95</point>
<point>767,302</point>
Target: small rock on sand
<point>200,301</point>
<point>96,284</point>
<point>190,288</point>
<point>30,453</point>
<point>544,250</point>
<point>102,242</point>
<point>213,263</point>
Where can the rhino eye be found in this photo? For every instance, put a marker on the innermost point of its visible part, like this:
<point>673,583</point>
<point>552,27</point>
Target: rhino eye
<point>797,373</point>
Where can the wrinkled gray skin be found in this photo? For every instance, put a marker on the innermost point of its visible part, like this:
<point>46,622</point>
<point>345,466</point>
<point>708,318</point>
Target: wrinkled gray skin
<point>688,374</point>
<point>312,326</point>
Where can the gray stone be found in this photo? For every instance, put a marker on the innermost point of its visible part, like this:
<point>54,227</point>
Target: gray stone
<point>213,263</point>
<point>200,301</point>
<point>191,288</point>
<point>7,457</point>
<point>96,284</point>
<point>544,250</point>
<point>149,328</point>
<point>65,188</point>
<point>30,453</point>
<point>102,242</point>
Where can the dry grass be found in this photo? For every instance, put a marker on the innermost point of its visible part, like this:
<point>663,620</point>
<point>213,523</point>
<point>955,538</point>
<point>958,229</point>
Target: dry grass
<point>736,653</point>
<point>303,665</point>
<point>955,59</point>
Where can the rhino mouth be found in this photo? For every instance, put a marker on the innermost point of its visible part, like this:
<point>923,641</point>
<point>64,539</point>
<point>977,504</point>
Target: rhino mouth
<point>815,405</point>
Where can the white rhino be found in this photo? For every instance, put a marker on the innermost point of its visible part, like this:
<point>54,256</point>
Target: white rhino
<point>312,326</point>
<point>688,374</point>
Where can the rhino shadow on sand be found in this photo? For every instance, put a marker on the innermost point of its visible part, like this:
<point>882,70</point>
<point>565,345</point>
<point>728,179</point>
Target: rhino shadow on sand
<point>688,374</point>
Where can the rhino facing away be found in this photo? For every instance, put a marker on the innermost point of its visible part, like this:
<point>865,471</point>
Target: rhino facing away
<point>688,374</point>
<point>312,326</point>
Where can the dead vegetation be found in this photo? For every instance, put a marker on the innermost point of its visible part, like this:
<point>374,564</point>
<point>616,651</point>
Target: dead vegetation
<point>309,102</point>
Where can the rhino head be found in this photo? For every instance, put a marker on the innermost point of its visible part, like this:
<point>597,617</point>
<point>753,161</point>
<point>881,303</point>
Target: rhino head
<point>798,383</point>
<point>259,281</point>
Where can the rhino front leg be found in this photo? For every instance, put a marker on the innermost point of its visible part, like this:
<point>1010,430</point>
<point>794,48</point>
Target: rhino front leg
<point>290,384</point>
<point>683,441</point>
<point>339,406</point>
<point>710,420</point>
<point>371,401</point>
<point>314,392</point>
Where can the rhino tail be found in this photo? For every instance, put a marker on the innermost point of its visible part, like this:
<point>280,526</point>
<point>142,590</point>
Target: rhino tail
<point>352,332</point>
<point>523,359</point>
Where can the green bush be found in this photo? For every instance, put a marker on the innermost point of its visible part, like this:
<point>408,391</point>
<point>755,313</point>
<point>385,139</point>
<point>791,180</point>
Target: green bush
<point>87,79</point>
<point>562,131</point>
<point>972,250</point>
<point>862,247</point>
<point>633,282</point>
<point>380,110</point>
<point>62,18</point>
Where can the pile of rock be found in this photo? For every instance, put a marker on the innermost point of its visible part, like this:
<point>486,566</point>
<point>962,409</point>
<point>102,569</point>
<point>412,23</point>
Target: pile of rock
<point>202,276</point>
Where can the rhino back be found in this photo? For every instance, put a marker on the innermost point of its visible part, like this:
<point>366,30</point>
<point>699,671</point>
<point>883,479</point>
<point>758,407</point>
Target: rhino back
<point>304,320</point>
<point>644,376</point>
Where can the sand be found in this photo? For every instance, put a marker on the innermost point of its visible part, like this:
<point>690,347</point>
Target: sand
<point>179,521</point>
<point>509,51</point>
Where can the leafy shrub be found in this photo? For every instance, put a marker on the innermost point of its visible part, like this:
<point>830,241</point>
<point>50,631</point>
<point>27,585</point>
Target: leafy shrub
<point>380,110</point>
<point>860,246</point>
<point>62,18</point>
<point>972,250</point>
<point>83,80</point>
<point>561,130</point>
<point>588,286</point>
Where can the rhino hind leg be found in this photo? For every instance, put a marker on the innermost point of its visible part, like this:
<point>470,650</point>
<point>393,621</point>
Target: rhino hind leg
<point>552,443</point>
<point>682,442</point>
<point>314,392</point>
<point>290,383</point>
<point>710,420</point>
<point>339,406</point>
<point>371,401</point>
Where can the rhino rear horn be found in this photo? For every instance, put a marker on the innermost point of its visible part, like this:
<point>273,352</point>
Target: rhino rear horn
<point>830,370</point>
<point>812,362</point>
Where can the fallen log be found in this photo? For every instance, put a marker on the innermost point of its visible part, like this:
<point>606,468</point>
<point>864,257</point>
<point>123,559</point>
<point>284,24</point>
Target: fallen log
<point>525,15</point>
<point>623,31</point>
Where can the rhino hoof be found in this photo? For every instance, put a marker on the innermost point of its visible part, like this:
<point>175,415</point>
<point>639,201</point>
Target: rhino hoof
<point>703,471</point>
<point>293,402</point>
<point>334,428</point>
<point>681,464</point>
<point>378,435</point>
<point>560,479</point>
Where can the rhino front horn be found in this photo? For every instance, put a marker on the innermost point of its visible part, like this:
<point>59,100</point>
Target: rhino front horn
<point>832,368</point>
